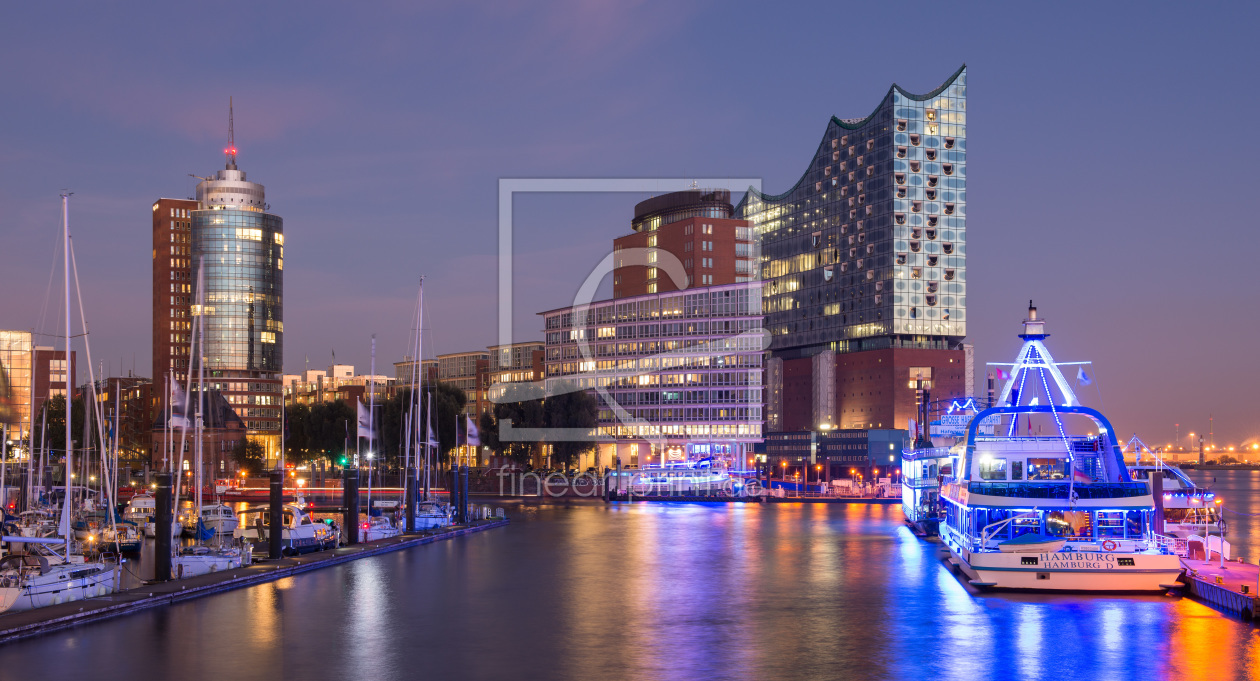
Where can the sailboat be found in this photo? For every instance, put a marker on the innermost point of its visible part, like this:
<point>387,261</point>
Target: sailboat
<point>430,513</point>
<point>39,576</point>
<point>200,558</point>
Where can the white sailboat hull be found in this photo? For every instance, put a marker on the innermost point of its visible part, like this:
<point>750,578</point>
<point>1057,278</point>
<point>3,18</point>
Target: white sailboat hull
<point>61,584</point>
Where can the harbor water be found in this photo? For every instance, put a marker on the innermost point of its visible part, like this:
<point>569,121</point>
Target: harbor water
<point>660,591</point>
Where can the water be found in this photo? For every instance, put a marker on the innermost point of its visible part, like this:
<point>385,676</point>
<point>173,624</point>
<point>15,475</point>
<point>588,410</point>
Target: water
<point>653,591</point>
<point>1241,493</point>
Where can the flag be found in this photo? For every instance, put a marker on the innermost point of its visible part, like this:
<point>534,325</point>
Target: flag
<point>471,435</point>
<point>7,410</point>
<point>365,421</point>
<point>1003,375</point>
<point>179,407</point>
<point>1079,475</point>
<point>1082,377</point>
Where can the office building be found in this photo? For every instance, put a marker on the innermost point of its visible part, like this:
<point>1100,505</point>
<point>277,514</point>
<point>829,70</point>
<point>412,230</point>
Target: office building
<point>682,240</point>
<point>29,376</point>
<point>863,263</point>
<point>678,375</point>
<point>172,291</point>
<point>228,237</point>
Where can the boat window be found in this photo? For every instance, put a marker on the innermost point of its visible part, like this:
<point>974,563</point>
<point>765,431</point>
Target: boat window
<point>1134,527</point>
<point>306,520</point>
<point>1026,524</point>
<point>1111,524</point>
<point>1017,470</point>
<point>1046,469</point>
<point>992,469</point>
<point>995,516</point>
<point>1069,524</point>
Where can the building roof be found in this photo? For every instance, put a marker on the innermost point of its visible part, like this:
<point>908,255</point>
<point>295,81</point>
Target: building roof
<point>850,124</point>
<point>217,414</point>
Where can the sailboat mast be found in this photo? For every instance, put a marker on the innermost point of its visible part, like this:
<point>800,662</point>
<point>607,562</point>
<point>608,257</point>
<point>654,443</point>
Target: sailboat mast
<point>65,248</point>
<point>201,383</point>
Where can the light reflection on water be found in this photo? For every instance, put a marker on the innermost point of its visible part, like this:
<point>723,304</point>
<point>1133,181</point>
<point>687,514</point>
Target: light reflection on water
<point>654,591</point>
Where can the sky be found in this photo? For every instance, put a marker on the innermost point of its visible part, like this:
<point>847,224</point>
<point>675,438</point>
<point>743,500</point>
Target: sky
<point>1110,174</point>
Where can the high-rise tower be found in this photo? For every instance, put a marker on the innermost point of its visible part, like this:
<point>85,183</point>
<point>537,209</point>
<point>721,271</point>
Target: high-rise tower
<point>239,247</point>
<point>864,266</point>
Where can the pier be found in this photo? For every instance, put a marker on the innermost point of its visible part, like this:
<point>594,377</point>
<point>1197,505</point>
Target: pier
<point>27,623</point>
<point>1230,587</point>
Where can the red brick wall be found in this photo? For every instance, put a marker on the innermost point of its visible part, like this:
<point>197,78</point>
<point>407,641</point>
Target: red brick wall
<point>673,238</point>
<point>798,394</point>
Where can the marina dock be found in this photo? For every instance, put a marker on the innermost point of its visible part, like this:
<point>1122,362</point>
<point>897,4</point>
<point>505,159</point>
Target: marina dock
<point>27,623</point>
<point>1231,588</point>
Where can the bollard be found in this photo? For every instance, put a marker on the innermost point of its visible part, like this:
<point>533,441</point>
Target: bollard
<point>409,489</point>
<point>452,486</point>
<point>463,495</point>
<point>275,533</point>
<point>350,502</point>
<point>162,519</point>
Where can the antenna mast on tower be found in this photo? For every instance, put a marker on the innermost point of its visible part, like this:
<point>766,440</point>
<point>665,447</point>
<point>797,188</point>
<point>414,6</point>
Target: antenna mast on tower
<point>231,149</point>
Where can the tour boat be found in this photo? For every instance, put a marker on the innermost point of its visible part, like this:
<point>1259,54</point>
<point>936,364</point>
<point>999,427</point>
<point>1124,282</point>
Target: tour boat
<point>299,534</point>
<point>1188,510</point>
<point>922,471</point>
<point>1070,486</point>
<point>41,577</point>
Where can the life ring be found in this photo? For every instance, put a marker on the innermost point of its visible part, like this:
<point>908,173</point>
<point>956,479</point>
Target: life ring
<point>1110,545</point>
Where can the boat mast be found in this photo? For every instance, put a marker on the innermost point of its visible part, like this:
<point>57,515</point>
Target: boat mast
<point>201,385</point>
<point>97,408</point>
<point>65,248</point>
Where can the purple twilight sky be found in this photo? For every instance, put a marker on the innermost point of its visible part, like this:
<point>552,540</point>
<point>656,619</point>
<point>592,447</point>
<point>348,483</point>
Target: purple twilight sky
<point>1108,180</point>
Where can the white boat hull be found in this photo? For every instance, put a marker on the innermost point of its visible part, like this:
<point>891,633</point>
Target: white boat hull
<point>50,589</point>
<point>1070,570</point>
<point>202,564</point>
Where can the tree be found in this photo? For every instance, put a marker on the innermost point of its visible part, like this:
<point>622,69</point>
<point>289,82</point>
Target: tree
<point>56,433</point>
<point>249,455</point>
<point>575,410</point>
<point>526,414</point>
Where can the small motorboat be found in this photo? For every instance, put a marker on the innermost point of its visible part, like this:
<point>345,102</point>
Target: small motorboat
<point>200,560</point>
<point>299,534</point>
<point>123,536</point>
<point>1031,543</point>
<point>377,527</point>
<point>219,518</point>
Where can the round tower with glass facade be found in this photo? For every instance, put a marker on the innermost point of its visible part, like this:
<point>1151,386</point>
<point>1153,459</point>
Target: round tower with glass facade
<point>240,247</point>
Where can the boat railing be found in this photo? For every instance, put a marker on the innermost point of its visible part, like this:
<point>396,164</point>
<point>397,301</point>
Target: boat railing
<point>1173,545</point>
<point>1059,490</point>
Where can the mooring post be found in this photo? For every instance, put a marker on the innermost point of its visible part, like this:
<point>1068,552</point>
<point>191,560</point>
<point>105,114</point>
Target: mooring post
<point>409,508</point>
<point>350,502</point>
<point>463,495</point>
<point>275,532</point>
<point>163,519</point>
<point>452,488</point>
